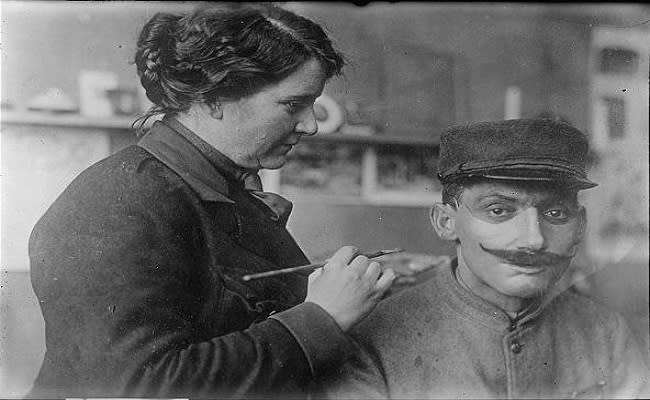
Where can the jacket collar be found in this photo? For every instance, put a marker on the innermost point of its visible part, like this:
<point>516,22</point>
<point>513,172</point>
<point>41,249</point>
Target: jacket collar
<point>225,165</point>
<point>175,151</point>
<point>466,302</point>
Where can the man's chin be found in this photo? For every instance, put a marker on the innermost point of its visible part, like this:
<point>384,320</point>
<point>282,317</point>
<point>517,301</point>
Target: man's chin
<point>528,286</point>
<point>528,269</point>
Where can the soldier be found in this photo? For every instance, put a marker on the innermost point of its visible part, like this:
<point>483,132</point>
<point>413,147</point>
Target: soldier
<point>498,323</point>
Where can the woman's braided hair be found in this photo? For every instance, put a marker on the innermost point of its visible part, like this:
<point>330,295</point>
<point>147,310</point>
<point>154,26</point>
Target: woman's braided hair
<point>225,52</point>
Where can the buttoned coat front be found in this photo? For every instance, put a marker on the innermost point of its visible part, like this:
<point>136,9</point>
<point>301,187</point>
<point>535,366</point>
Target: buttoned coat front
<point>438,340</point>
<point>137,267</point>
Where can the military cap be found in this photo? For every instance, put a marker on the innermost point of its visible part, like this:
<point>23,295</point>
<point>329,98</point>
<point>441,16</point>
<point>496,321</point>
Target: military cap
<point>515,149</point>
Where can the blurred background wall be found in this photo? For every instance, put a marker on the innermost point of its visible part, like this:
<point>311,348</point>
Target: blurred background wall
<point>414,69</point>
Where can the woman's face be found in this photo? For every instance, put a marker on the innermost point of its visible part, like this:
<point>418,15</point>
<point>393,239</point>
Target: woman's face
<point>265,126</point>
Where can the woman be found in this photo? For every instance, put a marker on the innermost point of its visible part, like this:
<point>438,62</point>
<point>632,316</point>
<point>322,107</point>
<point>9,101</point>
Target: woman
<point>138,264</point>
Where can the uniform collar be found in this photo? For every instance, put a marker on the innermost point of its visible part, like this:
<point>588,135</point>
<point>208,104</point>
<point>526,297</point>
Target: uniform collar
<point>466,302</point>
<point>167,142</point>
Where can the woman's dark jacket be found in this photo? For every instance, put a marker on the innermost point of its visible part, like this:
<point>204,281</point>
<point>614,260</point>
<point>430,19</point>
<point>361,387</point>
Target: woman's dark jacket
<point>137,267</point>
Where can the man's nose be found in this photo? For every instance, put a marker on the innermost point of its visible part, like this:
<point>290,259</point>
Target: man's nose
<point>532,237</point>
<point>307,124</point>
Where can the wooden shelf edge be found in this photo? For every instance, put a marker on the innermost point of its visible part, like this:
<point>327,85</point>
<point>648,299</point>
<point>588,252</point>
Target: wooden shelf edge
<point>402,200</point>
<point>33,118</point>
<point>377,139</point>
<point>65,120</point>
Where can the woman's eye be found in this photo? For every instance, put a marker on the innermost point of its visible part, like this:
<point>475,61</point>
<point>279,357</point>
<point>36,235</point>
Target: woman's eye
<point>294,106</point>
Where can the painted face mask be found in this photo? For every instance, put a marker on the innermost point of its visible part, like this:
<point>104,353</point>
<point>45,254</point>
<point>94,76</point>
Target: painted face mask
<point>524,257</point>
<point>517,247</point>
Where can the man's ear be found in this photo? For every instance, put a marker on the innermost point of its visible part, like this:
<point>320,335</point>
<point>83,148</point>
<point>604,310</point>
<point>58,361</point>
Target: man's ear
<point>582,226</point>
<point>579,233</point>
<point>443,220</point>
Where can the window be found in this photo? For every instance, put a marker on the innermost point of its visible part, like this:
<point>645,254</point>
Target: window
<point>615,109</point>
<point>324,169</point>
<point>407,168</point>
<point>354,169</point>
<point>618,61</point>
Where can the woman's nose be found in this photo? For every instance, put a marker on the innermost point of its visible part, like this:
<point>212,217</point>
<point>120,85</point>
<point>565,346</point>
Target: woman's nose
<point>307,124</point>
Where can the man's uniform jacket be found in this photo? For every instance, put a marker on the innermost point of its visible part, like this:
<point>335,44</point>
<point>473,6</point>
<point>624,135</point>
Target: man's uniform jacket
<point>137,267</point>
<point>439,340</point>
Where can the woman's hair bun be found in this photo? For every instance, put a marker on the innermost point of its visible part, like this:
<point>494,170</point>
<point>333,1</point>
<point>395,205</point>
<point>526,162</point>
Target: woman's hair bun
<point>153,47</point>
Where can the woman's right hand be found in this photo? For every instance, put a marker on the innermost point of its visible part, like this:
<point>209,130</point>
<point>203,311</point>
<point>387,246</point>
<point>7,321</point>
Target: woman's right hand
<point>349,286</point>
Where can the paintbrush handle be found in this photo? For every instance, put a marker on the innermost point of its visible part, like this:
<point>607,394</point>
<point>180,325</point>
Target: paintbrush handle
<point>310,267</point>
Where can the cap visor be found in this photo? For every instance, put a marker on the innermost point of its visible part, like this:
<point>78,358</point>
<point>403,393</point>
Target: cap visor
<point>568,181</point>
<point>565,179</point>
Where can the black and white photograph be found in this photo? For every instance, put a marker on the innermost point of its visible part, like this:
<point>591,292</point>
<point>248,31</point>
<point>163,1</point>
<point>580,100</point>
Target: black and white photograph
<point>324,200</point>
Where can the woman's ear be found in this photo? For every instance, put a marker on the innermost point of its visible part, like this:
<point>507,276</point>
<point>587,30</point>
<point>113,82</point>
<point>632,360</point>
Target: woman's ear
<point>216,110</point>
<point>443,220</point>
<point>205,109</point>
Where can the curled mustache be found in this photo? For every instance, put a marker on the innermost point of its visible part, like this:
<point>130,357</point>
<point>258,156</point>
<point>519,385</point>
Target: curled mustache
<point>528,258</point>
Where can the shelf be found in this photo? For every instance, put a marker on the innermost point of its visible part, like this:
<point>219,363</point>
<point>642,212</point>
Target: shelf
<point>378,139</point>
<point>377,200</point>
<point>402,198</point>
<point>11,117</point>
<point>371,193</point>
<point>71,120</point>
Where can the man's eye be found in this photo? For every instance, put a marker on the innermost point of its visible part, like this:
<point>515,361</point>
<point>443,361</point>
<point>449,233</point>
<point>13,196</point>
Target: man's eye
<point>556,213</point>
<point>499,211</point>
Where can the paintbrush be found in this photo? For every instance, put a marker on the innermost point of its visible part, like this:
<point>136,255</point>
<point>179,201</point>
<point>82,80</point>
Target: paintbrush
<point>311,267</point>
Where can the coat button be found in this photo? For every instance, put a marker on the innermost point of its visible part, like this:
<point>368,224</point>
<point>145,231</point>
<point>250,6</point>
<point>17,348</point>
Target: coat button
<point>515,346</point>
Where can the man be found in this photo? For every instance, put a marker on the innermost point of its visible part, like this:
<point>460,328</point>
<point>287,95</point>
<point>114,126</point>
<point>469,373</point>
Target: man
<point>499,322</point>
